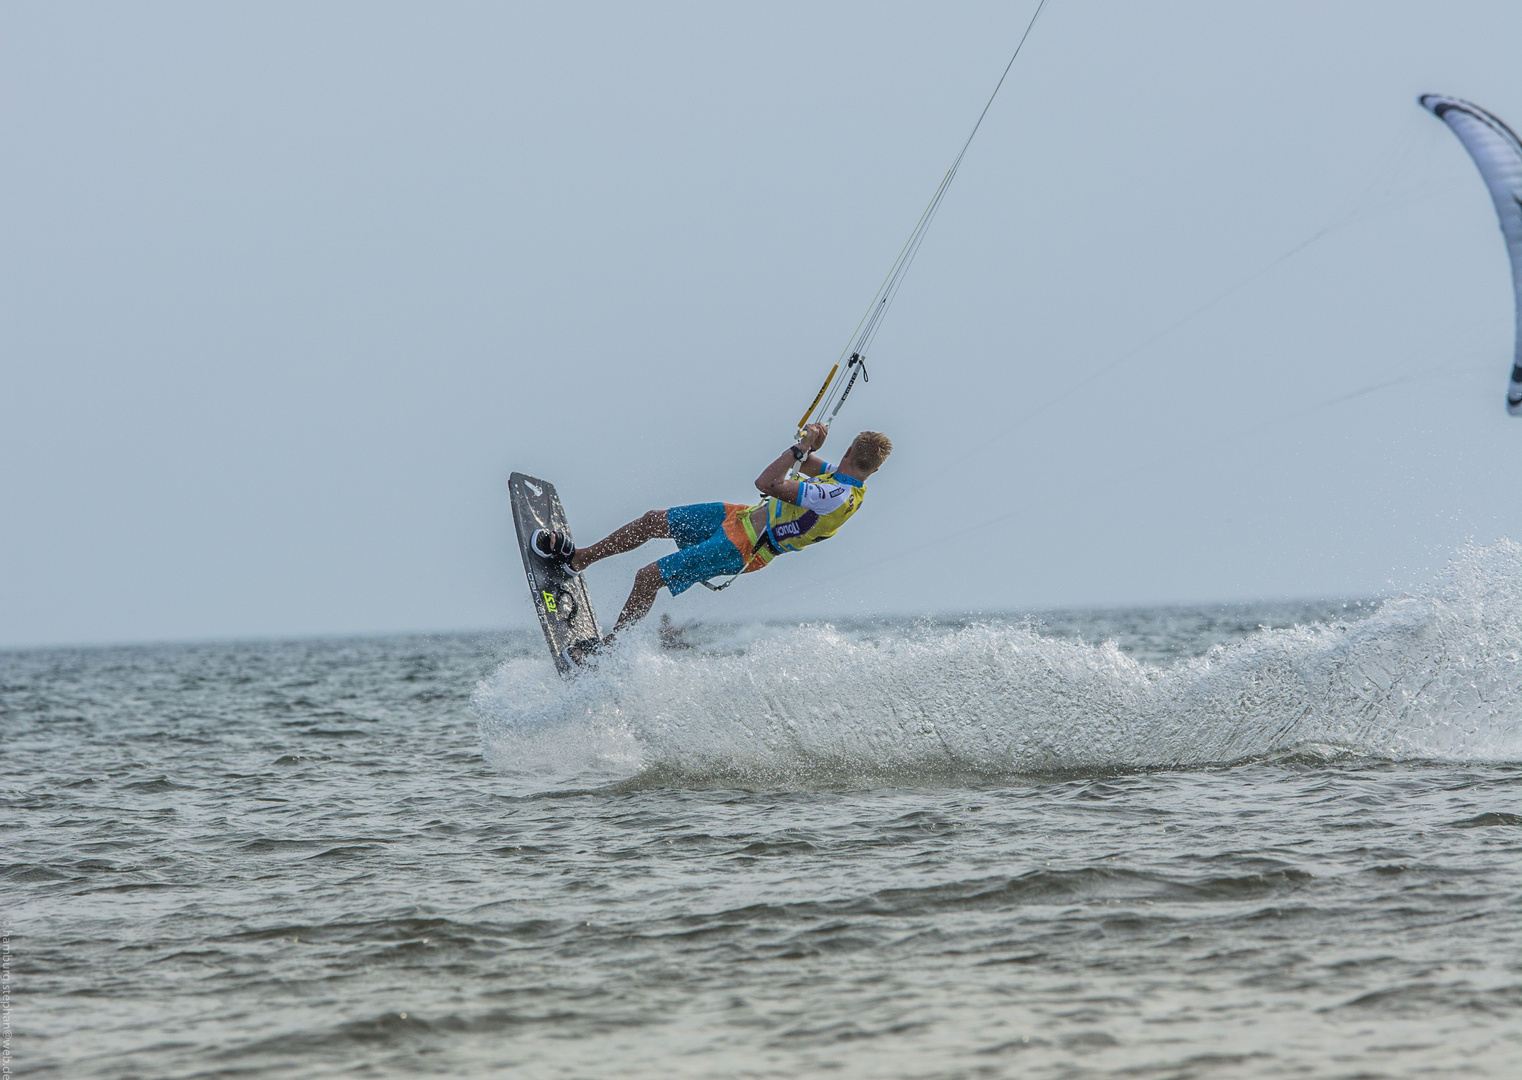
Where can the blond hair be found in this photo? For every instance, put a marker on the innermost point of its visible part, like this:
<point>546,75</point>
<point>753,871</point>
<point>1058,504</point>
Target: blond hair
<point>870,449</point>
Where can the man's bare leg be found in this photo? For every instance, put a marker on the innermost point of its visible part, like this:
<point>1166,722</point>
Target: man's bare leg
<point>650,526</point>
<point>647,583</point>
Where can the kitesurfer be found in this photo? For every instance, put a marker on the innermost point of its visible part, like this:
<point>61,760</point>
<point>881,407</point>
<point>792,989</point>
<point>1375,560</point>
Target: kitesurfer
<point>716,539</point>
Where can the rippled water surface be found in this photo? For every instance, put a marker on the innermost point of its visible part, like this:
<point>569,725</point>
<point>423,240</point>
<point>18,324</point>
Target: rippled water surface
<point>1268,841</point>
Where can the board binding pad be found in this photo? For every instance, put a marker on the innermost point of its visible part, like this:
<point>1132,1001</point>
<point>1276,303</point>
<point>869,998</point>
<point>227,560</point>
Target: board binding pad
<point>560,597</point>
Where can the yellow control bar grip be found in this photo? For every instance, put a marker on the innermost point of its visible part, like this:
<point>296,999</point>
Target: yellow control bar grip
<point>817,397</point>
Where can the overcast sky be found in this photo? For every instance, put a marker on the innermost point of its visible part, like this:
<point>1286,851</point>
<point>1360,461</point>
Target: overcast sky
<point>288,289</point>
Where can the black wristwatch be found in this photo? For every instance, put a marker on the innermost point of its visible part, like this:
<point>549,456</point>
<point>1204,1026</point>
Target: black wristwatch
<point>799,453</point>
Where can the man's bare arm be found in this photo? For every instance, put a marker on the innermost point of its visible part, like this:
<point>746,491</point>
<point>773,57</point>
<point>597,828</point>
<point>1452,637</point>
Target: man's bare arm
<point>774,480</point>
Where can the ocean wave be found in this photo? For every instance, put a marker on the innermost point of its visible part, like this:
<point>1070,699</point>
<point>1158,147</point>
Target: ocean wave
<point>1435,674</point>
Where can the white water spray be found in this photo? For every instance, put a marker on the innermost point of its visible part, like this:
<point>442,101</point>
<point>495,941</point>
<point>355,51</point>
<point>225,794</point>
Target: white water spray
<point>1433,675</point>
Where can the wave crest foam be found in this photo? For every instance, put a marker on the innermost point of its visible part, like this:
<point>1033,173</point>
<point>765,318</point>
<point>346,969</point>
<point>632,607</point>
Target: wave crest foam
<point>1432,675</point>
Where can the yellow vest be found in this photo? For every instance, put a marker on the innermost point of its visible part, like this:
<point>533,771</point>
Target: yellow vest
<point>792,527</point>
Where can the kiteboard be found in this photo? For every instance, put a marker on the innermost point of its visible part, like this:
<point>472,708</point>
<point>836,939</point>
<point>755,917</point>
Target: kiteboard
<point>560,597</point>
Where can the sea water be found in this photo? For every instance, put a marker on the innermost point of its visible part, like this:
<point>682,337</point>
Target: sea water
<point>1266,840</point>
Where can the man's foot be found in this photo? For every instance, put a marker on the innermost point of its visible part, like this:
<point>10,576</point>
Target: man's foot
<point>583,653</point>
<point>553,547</point>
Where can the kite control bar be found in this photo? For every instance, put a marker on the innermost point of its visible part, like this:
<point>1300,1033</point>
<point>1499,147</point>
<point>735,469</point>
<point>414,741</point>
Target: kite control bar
<point>815,404</point>
<point>856,365</point>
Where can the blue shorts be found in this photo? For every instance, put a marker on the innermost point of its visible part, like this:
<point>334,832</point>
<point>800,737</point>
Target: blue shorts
<point>706,551</point>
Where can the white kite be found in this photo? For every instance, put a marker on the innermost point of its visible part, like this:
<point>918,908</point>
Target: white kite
<point>1498,154</point>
